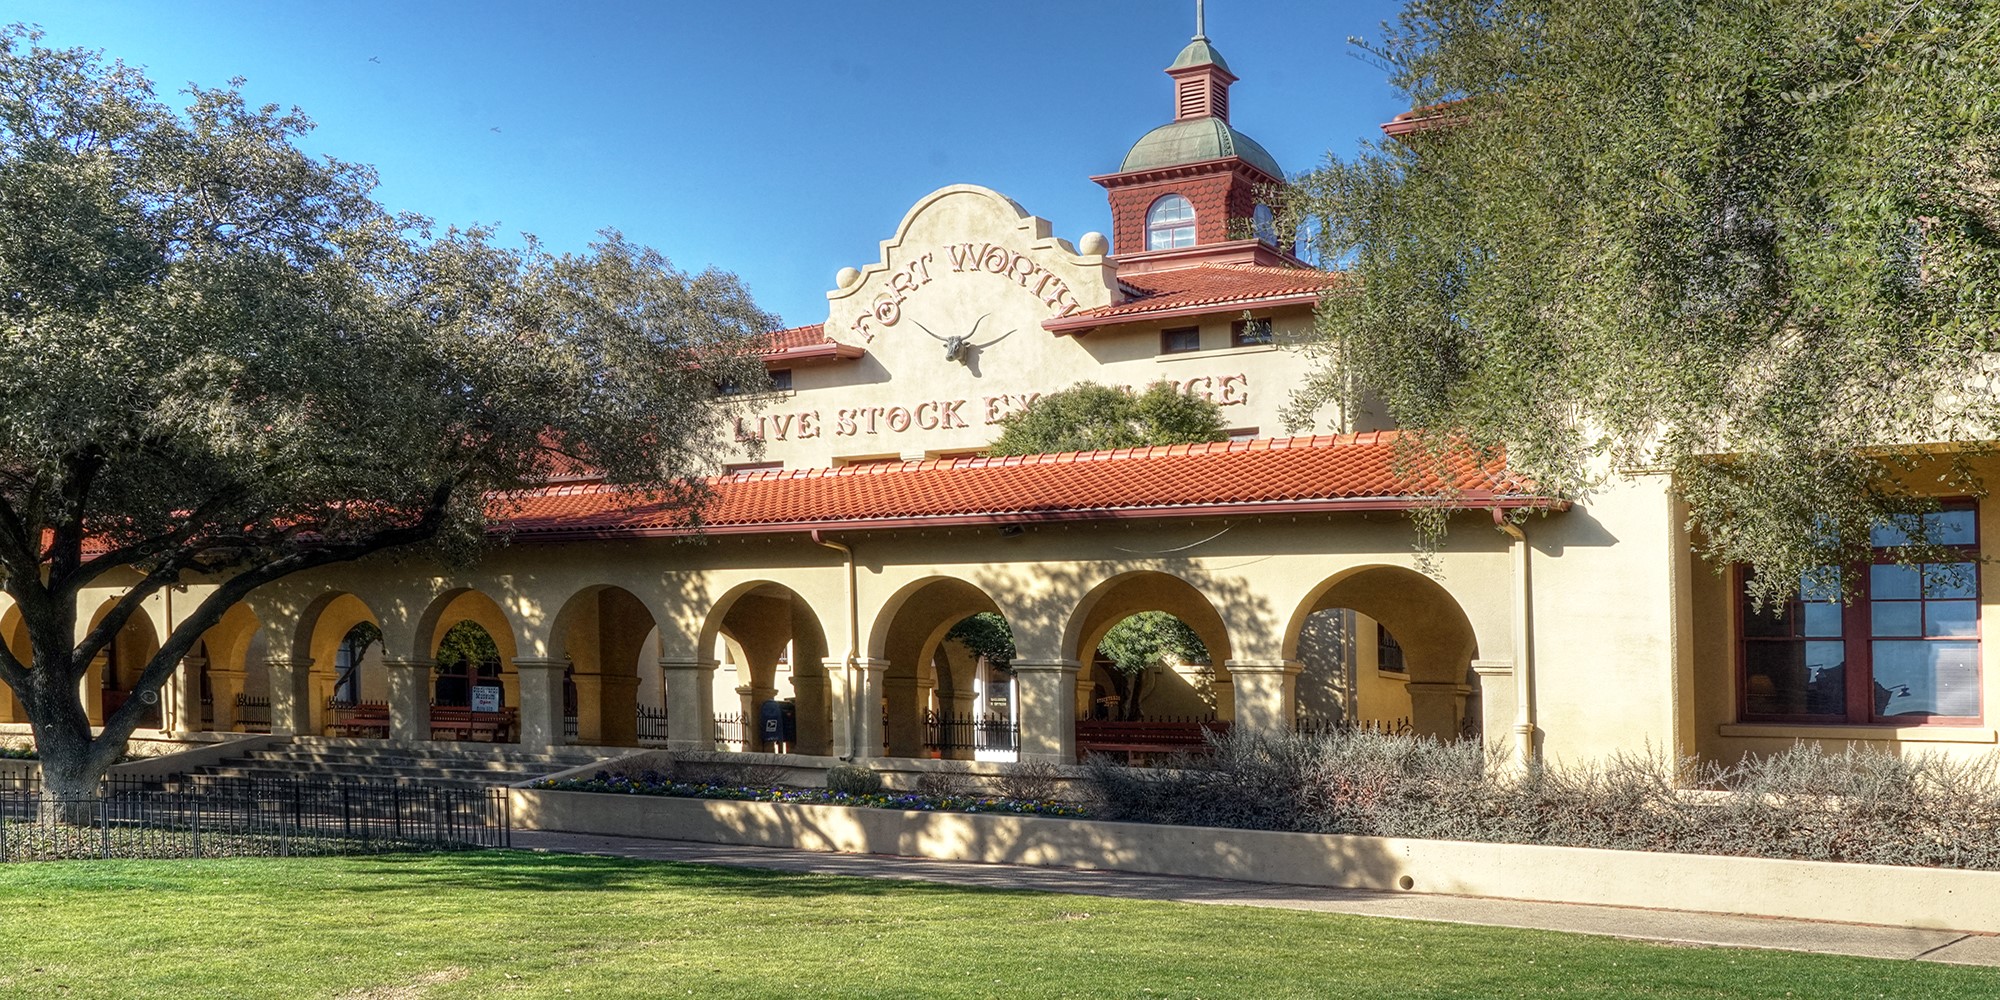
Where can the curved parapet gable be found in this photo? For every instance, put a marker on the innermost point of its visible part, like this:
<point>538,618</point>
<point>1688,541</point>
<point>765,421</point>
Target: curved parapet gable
<point>971,248</point>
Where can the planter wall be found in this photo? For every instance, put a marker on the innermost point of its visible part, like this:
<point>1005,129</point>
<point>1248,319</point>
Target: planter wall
<point>1867,894</point>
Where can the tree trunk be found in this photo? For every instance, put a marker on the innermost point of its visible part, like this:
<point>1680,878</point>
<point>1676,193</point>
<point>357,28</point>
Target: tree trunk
<point>73,764</point>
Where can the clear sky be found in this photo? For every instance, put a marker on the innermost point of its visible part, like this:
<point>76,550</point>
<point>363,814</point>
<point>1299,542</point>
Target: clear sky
<point>779,139</point>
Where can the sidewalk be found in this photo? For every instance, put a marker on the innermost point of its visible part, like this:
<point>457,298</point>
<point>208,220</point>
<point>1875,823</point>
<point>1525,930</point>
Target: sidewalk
<point>1645,925</point>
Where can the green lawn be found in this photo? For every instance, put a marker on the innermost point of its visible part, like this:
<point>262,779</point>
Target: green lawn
<point>518,924</point>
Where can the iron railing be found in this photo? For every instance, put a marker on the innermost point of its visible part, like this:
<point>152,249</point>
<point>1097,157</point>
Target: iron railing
<point>230,817</point>
<point>253,713</point>
<point>652,725</point>
<point>945,732</point>
<point>1385,727</point>
<point>730,730</point>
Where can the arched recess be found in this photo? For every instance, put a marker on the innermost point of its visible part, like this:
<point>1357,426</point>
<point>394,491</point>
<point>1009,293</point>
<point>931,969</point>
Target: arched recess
<point>1436,638</point>
<point>448,611</point>
<point>14,632</point>
<point>774,637</point>
<point>923,673</point>
<point>602,633</point>
<point>324,623</point>
<point>116,669</point>
<point>218,670</point>
<point>1128,594</point>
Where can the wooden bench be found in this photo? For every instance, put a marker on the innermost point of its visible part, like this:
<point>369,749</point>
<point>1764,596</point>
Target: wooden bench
<point>1143,736</point>
<point>458,722</point>
<point>367,719</point>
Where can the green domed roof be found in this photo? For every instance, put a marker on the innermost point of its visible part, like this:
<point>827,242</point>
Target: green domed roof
<point>1195,140</point>
<point>1199,53</point>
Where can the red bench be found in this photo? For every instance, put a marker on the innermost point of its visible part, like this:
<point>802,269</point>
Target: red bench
<point>1143,736</point>
<point>367,718</point>
<point>458,722</point>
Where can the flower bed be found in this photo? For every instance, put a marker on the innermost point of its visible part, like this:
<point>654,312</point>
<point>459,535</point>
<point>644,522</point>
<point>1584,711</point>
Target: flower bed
<point>19,753</point>
<point>655,783</point>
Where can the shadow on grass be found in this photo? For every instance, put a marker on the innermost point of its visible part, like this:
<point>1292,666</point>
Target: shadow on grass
<point>525,871</point>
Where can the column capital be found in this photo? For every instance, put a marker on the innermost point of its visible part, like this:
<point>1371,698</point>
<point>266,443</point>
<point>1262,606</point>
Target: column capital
<point>1493,668</point>
<point>1045,666</point>
<point>688,663</point>
<point>196,662</point>
<point>388,664</point>
<point>1262,666</point>
<point>556,665</point>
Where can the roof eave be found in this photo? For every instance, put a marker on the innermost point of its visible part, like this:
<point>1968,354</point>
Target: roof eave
<point>1471,501</point>
<point>829,351</point>
<point>1080,325</point>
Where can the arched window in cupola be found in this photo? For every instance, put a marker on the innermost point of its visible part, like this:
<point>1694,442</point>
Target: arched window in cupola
<point>1170,223</point>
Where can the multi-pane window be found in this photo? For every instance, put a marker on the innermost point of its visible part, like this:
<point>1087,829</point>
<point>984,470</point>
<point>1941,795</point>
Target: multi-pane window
<point>1388,652</point>
<point>1170,223</point>
<point>781,379</point>
<point>1249,332</point>
<point>1904,650</point>
<point>1180,340</point>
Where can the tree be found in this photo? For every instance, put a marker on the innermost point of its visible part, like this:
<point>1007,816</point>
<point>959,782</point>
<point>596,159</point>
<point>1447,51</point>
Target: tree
<point>224,363</point>
<point>1091,417</point>
<point>987,635</point>
<point>1745,242</point>
<point>1140,644</point>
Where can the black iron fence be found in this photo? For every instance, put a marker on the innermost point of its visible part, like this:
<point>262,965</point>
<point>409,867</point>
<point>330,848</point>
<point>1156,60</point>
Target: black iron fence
<point>253,713</point>
<point>945,732</point>
<point>1385,727</point>
<point>652,725</point>
<point>236,817</point>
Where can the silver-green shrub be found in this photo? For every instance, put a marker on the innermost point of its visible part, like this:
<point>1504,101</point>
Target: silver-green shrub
<point>853,780</point>
<point>1860,805</point>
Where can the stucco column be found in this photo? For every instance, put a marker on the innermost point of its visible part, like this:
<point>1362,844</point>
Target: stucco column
<point>291,713</point>
<point>91,688</point>
<point>857,707</point>
<point>690,694</point>
<point>1434,708</point>
<point>753,697</point>
<point>1497,708</point>
<point>184,696</point>
<point>908,697</point>
<point>1265,695</point>
<point>409,699</point>
<point>1047,690</point>
<point>619,720</point>
<point>541,714</point>
<point>815,722</point>
<point>223,688</point>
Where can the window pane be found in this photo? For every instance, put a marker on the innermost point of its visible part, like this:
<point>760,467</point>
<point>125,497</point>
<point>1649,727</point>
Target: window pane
<point>1822,584</point>
<point>1892,532</point>
<point>1951,618</point>
<point>1952,527</point>
<point>1895,618</point>
<point>1822,619</point>
<point>1771,623</point>
<point>1893,582</point>
<point>1951,580</point>
<point>1926,678</point>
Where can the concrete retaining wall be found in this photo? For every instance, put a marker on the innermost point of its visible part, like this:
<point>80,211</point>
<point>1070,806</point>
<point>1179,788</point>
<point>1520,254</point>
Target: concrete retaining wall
<point>1868,894</point>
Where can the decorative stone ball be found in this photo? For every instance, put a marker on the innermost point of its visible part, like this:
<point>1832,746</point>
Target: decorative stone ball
<point>846,277</point>
<point>1093,244</point>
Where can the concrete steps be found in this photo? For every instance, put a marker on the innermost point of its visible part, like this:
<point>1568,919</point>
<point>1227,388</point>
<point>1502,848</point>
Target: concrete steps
<point>376,762</point>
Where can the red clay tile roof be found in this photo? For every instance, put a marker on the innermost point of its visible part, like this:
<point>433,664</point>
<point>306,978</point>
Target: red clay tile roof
<point>805,343</point>
<point>1203,288</point>
<point>1283,475</point>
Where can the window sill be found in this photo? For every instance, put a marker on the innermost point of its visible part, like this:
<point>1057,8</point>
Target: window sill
<point>1901,734</point>
<point>1393,675</point>
<point>1220,352</point>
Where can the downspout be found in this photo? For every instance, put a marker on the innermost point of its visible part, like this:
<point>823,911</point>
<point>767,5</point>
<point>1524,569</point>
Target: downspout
<point>1524,657</point>
<point>852,659</point>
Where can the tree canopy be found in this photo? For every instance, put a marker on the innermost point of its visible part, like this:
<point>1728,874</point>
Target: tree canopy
<point>222,360</point>
<point>1091,417</point>
<point>1744,242</point>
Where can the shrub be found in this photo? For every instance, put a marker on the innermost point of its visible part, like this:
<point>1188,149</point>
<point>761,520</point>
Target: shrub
<point>1861,805</point>
<point>1031,781</point>
<point>944,785</point>
<point>848,779</point>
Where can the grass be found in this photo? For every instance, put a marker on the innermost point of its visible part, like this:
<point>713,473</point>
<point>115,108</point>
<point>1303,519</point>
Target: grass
<point>513,924</point>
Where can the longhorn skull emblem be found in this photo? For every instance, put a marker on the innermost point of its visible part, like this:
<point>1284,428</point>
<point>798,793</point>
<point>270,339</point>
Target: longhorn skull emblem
<point>957,345</point>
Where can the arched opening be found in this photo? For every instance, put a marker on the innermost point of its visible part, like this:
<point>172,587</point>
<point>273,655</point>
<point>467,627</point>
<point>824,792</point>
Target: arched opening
<point>326,630</point>
<point>116,669</point>
<point>14,632</point>
<point>357,667</point>
<point>474,691</point>
<point>604,634</point>
<point>1151,653</point>
<point>770,647</point>
<point>1150,667</point>
<point>1423,626</point>
<point>947,690</point>
<point>1353,673</point>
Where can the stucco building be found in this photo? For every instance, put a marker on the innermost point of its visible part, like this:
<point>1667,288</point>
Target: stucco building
<point>863,526</point>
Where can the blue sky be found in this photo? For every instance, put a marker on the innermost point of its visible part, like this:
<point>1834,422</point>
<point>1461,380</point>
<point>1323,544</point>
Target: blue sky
<point>779,139</point>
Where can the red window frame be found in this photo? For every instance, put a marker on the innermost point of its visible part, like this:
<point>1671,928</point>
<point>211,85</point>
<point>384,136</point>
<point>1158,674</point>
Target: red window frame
<point>1857,639</point>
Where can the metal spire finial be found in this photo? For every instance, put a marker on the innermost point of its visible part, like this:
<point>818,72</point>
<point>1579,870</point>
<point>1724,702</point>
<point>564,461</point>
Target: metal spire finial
<point>1200,21</point>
